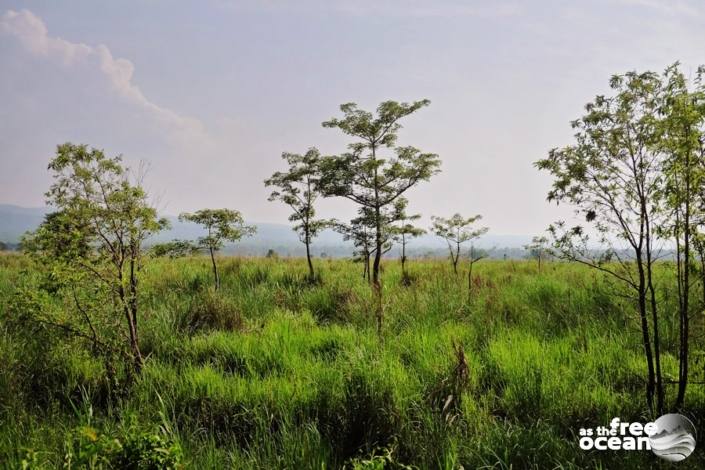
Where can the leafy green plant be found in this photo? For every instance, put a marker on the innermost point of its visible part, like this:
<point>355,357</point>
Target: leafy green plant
<point>88,447</point>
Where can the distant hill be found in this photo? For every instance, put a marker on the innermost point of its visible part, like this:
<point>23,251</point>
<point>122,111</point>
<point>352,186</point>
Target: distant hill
<point>15,220</point>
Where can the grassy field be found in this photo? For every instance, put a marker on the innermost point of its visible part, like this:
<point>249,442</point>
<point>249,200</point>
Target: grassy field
<point>271,372</point>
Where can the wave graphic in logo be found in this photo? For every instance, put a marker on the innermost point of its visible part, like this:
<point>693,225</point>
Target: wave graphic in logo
<point>675,438</point>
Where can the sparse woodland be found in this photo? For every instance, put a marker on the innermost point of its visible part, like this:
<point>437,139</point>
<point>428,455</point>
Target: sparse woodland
<point>121,353</point>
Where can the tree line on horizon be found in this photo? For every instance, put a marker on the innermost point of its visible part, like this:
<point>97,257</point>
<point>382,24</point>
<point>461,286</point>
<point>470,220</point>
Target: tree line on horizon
<point>635,174</point>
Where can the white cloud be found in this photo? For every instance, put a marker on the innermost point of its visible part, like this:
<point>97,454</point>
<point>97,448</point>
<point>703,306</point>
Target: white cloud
<point>33,35</point>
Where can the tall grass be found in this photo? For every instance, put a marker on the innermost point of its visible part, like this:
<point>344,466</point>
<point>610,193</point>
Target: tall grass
<point>273,371</point>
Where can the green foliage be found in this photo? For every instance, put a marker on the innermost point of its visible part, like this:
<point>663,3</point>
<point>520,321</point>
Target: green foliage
<point>222,225</point>
<point>211,311</point>
<point>91,247</point>
<point>635,174</point>
<point>298,188</point>
<point>173,249</point>
<point>363,233</point>
<point>149,451</point>
<point>539,249</point>
<point>365,176</point>
<point>611,172</point>
<point>379,460</point>
<point>89,448</point>
<point>406,228</point>
<point>457,230</point>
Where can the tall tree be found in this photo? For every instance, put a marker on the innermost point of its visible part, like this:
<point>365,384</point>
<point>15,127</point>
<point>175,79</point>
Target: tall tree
<point>683,143</point>
<point>457,230</point>
<point>222,225</point>
<point>366,177</point>
<point>94,240</point>
<point>611,175</point>
<point>298,188</point>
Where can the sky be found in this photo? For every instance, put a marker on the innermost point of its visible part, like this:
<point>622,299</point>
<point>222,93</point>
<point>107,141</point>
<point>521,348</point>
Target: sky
<point>207,95</point>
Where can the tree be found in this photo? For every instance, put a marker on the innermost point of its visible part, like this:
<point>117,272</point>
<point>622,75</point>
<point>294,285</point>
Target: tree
<point>298,188</point>
<point>93,243</point>
<point>222,225</point>
<point>363,241</point>
<point>3,246</point>
<point>365,177</point>
<point>683,144</point>
<point>611,175</point>
<point>405,230</point>
<point>538,249</point>
<point>361,231</point>
<point>457,230</point>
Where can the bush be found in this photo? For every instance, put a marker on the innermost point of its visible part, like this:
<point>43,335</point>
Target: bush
<point>211,311</point>
<point>87,447</point>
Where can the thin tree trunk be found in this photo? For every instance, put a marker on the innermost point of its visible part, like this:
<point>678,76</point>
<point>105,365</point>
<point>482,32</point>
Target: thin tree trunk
<point>134,346</point>
<point>311,274</point>
<point>455,258</point>
<point>133,302</point>
<point>654,305</point>
<point>378,252</point>
<point>307,227</point>
<point>700,250</point>
<point>657,337</point>
<point>376,284</point>
<point>650,384</point>
<point>215,269</point>
<point>127,311</point>
<point>701,255</point>
<point>134,287</point>
<point>685,306</point>
<point>131,327</point>
<point>403,255</point>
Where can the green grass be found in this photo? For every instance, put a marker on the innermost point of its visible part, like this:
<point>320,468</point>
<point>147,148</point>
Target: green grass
<point>272,372</point>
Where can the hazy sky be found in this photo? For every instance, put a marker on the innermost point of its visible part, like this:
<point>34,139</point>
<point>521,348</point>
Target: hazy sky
<point>210,93</point>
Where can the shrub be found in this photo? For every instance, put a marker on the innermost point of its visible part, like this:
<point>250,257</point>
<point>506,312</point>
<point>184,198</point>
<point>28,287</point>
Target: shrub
<point>211,310</point>
<point>87,447</point>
